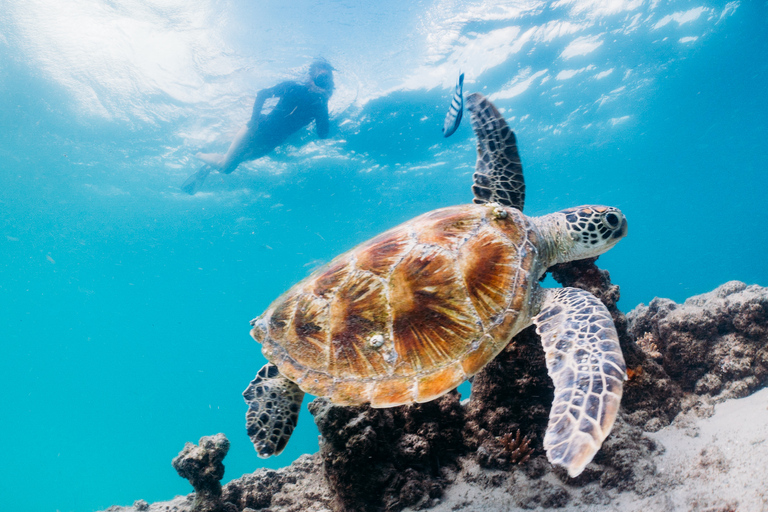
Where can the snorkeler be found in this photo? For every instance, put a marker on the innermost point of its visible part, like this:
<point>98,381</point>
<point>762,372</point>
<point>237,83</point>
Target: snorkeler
<point>298,105</point>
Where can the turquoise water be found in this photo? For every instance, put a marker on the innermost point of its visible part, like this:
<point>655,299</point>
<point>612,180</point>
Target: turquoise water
<point>125,303</point>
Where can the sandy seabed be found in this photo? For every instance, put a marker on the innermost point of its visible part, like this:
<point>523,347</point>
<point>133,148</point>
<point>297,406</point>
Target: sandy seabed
<point>715,464</point>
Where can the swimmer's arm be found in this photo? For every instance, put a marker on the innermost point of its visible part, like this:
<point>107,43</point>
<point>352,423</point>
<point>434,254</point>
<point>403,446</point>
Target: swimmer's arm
<point>262,96</point>
<point>321,122</point>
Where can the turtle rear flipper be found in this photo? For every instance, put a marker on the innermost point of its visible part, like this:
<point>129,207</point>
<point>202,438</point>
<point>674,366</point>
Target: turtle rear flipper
<point>498,174</point>
<point>585,363</point>
<point>273,410</point>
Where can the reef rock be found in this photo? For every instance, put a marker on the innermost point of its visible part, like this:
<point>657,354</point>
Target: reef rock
<point>203,466</point>
<point>713,345</point>
<point>711,348</point>
<point>300,487</point>
<point>390,456</point>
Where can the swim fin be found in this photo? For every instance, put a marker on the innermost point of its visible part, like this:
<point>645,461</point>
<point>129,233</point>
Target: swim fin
<point>194,182</point>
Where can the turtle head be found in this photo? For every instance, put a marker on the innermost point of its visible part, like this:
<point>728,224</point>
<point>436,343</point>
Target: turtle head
<point>585,231</point>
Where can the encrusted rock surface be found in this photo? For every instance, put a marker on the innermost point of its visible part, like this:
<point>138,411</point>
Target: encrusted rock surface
<point>300,487</point>
<point>712,347</point>
<point>203,466</point>
<point>391,456</point>
<point>452,455</point>
<point>713,344</point>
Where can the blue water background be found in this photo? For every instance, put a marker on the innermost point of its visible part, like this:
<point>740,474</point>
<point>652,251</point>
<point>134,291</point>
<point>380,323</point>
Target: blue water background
<point>125,303</point>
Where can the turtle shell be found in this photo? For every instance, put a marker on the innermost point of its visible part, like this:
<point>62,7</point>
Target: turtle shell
<point>410,314</point>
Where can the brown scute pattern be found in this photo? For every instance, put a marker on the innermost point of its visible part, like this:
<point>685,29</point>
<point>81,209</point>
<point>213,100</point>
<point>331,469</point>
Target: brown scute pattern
<point>393,392</point>
<point>515,227</point>
<point>259,331</point>
<point>352,392</point>
<point>273,351</point>
<point>317,383</point>
<point>329,278</point>
<point>430,318</point>
<point>409,314</point>
<point>282,316</point>
<point>526,268</point>
<point>505,324</point>
<point>486,349</point>
<point>522,292</point>
<point>437,383</point>
<point>358,312</point>
<point>447,231</point>
<point>310,327</point>
<point>489,265</point>
<point>291,369</point>
<point>498,174</point>
<point>380,254</point>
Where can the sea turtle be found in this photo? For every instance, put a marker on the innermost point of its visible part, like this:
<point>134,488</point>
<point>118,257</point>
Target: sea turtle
<point>417,310</point>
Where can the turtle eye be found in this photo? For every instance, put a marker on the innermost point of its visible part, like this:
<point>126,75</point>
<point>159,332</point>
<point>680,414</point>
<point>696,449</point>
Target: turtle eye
<point>612,220</point>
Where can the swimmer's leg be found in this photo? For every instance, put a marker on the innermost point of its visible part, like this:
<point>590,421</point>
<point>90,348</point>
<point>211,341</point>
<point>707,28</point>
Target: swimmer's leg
<point>212,159</point>
<point>236,154</point>
<point>194,182</point>
<point>239,151</point>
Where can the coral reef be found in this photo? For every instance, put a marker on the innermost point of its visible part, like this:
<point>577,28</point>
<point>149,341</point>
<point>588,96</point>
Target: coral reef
<point>516,448</point>
<point>203,466</point>
<point>712,347</point>
<point>513,392</point>
<point>463,455</point>
<point>390,456</point>
<point>300,487</point>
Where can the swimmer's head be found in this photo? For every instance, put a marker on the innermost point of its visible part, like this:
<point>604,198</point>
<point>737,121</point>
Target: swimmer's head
<point>319,65</point>
<point>323,80</point>
<point>321,74</point>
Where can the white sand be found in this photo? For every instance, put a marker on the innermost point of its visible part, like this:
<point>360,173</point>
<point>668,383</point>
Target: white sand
<point>715,464</point>
<point>721,462</point>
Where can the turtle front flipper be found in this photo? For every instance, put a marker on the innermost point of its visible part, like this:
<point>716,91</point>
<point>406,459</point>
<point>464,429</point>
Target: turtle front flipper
<point>498,174</point>
<point>585,363</point>
<point>273,410</point>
